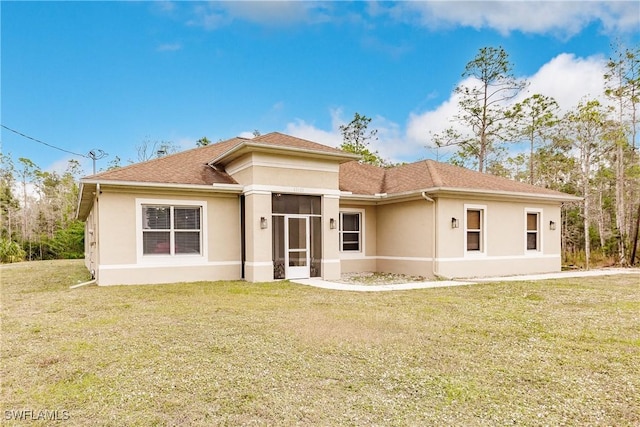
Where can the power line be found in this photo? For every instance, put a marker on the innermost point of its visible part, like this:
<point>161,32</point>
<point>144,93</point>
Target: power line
<point>42,142</point>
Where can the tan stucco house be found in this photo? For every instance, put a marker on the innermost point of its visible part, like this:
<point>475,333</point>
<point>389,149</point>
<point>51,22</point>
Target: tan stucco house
<point>279,207</point>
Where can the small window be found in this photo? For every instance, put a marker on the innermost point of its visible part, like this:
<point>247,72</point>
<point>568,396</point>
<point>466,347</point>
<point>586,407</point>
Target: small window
<point>533,234</point>
<point>350,233</point>
<point>171,230</point>
<point>474,230</point>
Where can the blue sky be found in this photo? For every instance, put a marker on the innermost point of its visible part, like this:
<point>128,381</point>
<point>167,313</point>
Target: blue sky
<point>109,75</point>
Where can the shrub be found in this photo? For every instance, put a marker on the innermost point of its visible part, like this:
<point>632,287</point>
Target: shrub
<point>11,251</point>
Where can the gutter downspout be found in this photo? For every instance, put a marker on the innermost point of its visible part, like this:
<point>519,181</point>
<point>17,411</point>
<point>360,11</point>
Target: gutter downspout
<point>96,233</point>
<point>90,282</point>
<point>435,233</point>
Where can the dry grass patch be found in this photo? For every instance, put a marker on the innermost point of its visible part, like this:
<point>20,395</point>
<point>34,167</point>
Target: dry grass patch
<point>233,353</point>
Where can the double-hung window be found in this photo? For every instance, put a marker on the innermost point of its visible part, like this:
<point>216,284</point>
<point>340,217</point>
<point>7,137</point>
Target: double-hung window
<point>475,233</point>
<point>350,231</point>
<point>171,230</point>
<point>533,231</point>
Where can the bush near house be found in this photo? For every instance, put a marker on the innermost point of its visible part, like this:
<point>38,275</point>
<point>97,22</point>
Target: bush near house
<point>556,352</point>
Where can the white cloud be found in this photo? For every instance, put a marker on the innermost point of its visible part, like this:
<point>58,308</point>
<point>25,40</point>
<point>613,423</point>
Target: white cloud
<point>247,134</point>
<point>304,130</point>
<point>562,18</point>
<point>569,79</point>
<point>566,78</point>
<point>214,15</point>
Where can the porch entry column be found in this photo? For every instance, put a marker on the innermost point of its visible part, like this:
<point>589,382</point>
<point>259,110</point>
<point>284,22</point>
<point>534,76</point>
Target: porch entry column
<point>258,264</point>
<point>330,242</point>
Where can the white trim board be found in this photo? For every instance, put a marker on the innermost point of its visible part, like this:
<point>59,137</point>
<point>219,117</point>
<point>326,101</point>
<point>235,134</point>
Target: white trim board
<point>154,266</point>
<point>455,259</point>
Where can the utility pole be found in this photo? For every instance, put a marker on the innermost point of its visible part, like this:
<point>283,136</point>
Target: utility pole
<point>96,154</point>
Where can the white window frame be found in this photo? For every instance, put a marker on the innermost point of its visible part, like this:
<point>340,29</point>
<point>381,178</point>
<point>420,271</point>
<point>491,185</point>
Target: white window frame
<point>172,259</point>
<point>360,252</point>
<point>539,242</point>
<point>484,232</point>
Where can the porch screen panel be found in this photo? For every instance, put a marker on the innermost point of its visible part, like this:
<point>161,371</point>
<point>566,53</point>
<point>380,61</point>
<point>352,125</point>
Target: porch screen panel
<point>296,204</point>
<point>278,246</point>
<point>316,246</point>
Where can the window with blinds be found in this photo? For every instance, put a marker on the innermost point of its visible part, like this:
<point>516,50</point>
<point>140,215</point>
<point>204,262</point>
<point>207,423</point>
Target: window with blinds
<point>533,231</point>
<point>474,230</point>
<point>171,230</point>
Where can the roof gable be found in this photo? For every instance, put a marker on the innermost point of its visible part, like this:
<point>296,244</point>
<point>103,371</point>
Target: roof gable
<point>279,143</point>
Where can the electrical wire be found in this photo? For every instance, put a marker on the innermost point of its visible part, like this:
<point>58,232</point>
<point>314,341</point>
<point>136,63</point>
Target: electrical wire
<point>42,142</point>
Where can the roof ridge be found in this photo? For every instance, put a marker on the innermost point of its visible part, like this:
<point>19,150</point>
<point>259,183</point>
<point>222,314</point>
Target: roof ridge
<point>433,171</point>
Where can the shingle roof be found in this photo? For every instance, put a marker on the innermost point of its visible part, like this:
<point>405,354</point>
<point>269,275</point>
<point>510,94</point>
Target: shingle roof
<point>427,174</point>
<point>192,167</point>
<point>283,140</point>
<point>361,178</point>
<point>186,167</point>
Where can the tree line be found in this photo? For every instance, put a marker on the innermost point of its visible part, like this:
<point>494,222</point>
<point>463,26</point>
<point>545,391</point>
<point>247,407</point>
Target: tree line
<point>37,212</point>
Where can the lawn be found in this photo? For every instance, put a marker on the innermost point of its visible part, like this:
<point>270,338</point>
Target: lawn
<point>559,352</point>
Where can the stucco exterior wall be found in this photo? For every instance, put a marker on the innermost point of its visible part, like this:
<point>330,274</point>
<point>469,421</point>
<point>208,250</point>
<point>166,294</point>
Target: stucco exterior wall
<point>272,170</point>
<point>120,253</point>
<point>405,238</point>
<point>400,238</point>
<point>504,235</point>
<point>364,260</point>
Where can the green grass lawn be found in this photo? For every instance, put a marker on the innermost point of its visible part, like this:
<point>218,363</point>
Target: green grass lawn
<point>558,352</point>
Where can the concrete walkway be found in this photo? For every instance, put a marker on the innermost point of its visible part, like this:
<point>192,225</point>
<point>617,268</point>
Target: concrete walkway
<point>319,283</point>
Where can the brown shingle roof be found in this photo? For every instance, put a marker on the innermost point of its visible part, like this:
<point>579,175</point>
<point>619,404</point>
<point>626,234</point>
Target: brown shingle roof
<point>361,178</point>
<point>192,167</point>
<point>280,139</point>
<point>428,174</point>
<point>187,167</point>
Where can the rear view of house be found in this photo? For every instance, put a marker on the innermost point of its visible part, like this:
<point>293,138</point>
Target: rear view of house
<point>280,207</point>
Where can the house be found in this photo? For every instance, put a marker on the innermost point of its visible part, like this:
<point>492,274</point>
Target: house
<point>280,207</point>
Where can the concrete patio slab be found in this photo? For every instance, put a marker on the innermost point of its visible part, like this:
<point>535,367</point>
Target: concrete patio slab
<point>324,284</point>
